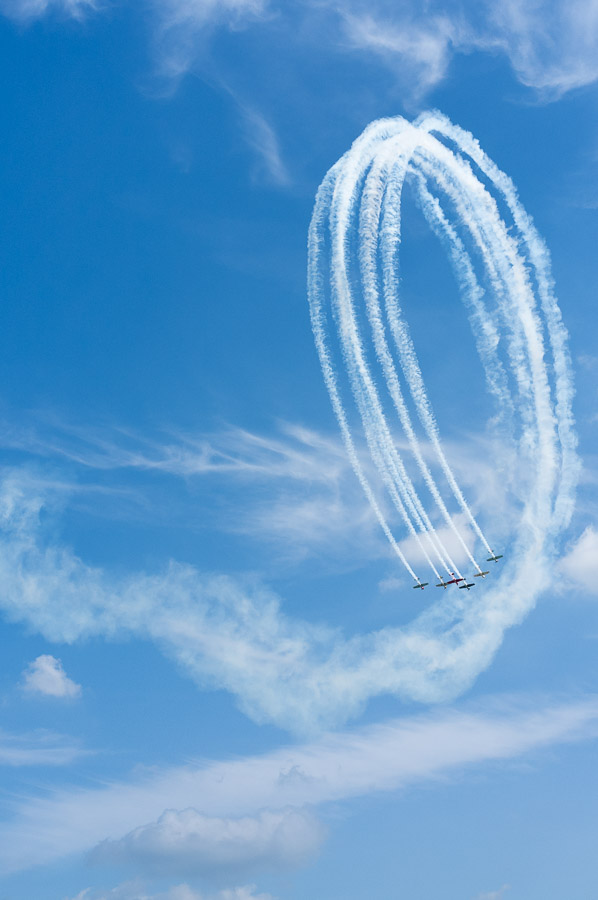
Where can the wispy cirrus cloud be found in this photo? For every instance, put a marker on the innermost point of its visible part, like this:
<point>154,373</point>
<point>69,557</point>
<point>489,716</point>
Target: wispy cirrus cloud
<point>27,10</point>
<point>291,487</point>
<point>417,48</point>
<point>263,140</point>
<point>335,768</point>
<point>136,890</point>
<point>232,633</point>
<point>551,47</point>
<point>41,748</point>
<point>182,27</point>
<point>296,452</point>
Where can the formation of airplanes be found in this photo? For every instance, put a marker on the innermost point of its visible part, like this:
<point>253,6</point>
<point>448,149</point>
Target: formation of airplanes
<point>455,579</point>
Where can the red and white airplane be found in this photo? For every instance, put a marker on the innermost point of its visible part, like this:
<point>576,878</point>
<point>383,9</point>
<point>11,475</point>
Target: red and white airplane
<point>453,580</point>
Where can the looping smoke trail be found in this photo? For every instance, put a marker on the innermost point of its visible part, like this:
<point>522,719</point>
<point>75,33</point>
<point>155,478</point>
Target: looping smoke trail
<point>353,283</point>
<point>298,674</point>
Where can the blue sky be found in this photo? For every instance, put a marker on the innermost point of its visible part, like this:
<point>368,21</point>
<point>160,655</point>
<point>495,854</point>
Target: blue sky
<point>205,632</point>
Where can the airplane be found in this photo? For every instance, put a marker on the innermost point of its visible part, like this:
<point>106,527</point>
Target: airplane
<point>466,586</point>
<point>453,580</point>
<point>421,584</point>
<point>494,557</point>
<point>481,574</point>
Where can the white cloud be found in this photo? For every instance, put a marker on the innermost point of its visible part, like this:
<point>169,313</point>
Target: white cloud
<point>580,565</point>
<point>186,842</point>
<point>552,47</point>
<point>129,890</point>
<point>45,675</point>
<point>135,890</point>
<point>308,502</point>
<point>245,892</point>
<point>414,548</point>
<point>334,768</point>
<point>417,48</point>
<point>588,362</point>
<point>296,452</point>
<point>263,140</point>
<point>494,895</point>
<point>41,748</point>
<point>232,634</point>
<point>183,25</point>
<point>27,10</point>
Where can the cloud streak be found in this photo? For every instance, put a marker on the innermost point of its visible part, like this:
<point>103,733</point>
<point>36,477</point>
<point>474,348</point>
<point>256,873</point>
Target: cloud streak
<point>28,10</point>
<point>551,47</point>
<point>263,140</point>
<point>135,890</point>
<point>182,27</point>
<point>335,768</point>
<point>41,748</point>
<point>232,634</point>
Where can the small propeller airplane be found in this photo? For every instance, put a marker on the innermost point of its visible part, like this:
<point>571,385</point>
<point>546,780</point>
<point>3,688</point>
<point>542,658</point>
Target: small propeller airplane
<point>453,580</point>
<point>494,557</point>
<point>481,574</point>
<point>420,584</point>
<point>466,586</point>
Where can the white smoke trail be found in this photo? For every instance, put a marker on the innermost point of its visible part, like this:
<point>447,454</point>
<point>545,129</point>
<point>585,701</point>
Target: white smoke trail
<point>557,334</point>
<point>363,208</point>
<point>317,289</point>
<point>516,299</point>
<point>399,329</point>
<point>303,675</point>
<point>373,194</point>
<point>376,429</point>
<point>377,432</point>
<point>487,336</point>
<point>368,230</point>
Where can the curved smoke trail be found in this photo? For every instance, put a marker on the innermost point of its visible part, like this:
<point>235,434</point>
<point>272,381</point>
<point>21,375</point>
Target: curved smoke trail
<point>353,281</point>
<point>300,674</point>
